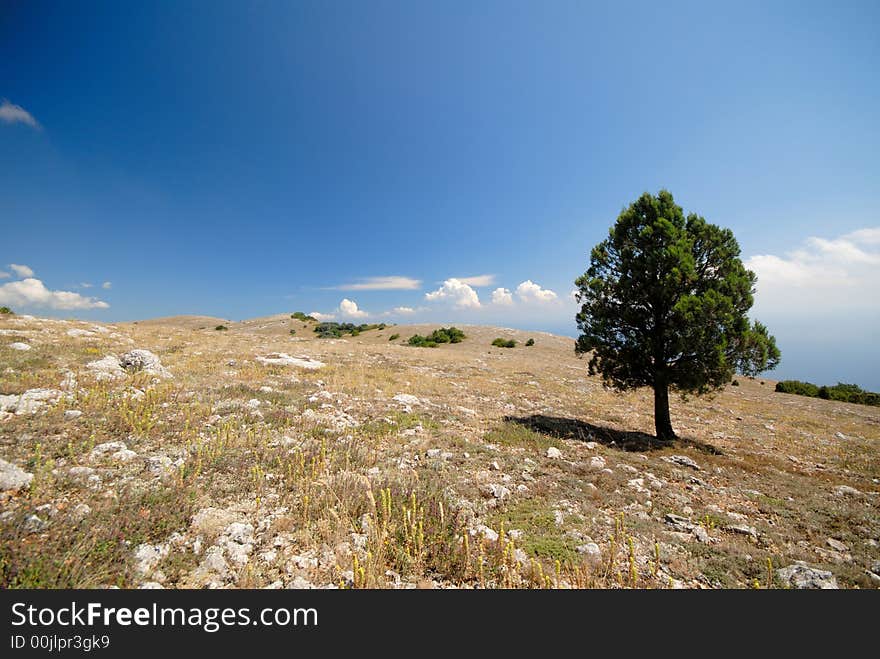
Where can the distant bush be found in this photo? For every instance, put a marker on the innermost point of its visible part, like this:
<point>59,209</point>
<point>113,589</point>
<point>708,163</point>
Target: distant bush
<point>735,383</point>
<point>530,343</point>
<point>504,343</point>
<point>221,328</point>
<point>847,393</point>
<point>797,387</point>
<point>337,330</point>
<point>394,337</point>
<point>299,315</point>
<point>438,336</point>
<point>292,332</point>
<point>6,310</point>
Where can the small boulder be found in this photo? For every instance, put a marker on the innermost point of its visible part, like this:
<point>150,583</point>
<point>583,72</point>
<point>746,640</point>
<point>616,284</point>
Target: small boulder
<point>802,576</point>
<point>13,478</point>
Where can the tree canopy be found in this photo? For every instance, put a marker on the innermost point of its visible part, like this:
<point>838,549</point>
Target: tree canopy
<point>664,304</point>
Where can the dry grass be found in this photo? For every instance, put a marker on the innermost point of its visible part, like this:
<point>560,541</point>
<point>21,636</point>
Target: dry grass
<point>342,485</point>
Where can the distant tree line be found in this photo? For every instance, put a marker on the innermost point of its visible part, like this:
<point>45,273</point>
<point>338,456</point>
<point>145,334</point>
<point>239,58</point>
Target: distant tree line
<point>847,393</point>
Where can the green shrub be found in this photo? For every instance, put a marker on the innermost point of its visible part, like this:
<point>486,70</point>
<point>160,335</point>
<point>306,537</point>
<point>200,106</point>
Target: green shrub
<point>797,387</point>
<point>221,328</point>
<point>299,315</point>
<point>292,332</point>
<point>438,336</point>
<point>735,383</point>
<point>846,393</point>
<point>530,342</point>
<point>504,343</point>
<point>394,337</point>
<point>6,310</point>
<point>330,330</point>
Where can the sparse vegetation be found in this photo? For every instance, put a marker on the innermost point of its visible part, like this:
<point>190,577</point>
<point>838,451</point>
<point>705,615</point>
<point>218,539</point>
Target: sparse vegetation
<point>530,343</point>
<point>299,315</point>
<point>397,469</point>
<point>293,332</point>
<point>394,337</point>
<point>504,343</point>
<point>6,311</point>
<point>221,328</point>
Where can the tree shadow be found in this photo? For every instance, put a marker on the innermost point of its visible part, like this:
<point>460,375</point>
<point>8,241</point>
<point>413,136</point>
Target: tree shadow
<point>626,440</point>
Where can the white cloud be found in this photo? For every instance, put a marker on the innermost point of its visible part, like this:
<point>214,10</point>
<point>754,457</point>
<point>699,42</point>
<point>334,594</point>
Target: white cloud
<point>393,283</point>
<point>349,309</point>
<point>836,274</point>
<point>15,114</point>
<point>403,311</point>
<point>529,291</point>
<point>456,292</point>
<point>4,274</point>
<point>21,270</point>
<point>479,280</point>
<point>85,285</point>
<point>323,317</point>
<point>502,297</point>
<point>107,285</point>
<point>32,292</point>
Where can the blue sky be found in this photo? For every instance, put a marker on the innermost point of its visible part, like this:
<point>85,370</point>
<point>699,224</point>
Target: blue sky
<point>242,159</point>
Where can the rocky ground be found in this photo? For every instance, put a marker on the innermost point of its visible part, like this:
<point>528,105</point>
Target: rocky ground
<point>171,454</point>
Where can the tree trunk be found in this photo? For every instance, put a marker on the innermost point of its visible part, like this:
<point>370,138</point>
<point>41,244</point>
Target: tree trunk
<point>662,422</point>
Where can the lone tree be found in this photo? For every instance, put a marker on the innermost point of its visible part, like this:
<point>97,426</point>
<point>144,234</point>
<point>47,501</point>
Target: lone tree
<point>664,305</point>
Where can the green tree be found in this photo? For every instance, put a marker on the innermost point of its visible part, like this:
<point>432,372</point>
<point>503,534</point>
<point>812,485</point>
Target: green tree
<point>664,304</point>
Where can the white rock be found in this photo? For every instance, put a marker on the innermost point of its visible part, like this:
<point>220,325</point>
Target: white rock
<point>12,477</point>
<point>106,368</point>
<point>301,583</point>
<point>79,332</point>
<point>846,490</point>
<point>70,415</point>
<point>554,453</point>
<point>138,360</point>
<point>597,462</point>
<point>801,575</point>
<point>106,448</point>
<point>496,491</point>
<point>147,557</point>
<point>214,562</point>
<point>32,400</point>
<point>488,533</point>
<point>591,550</point>
<point>682,460</point>
<point>18,345</point>
<point>125,455</point>
<point>283,359</point>
<point>406,399</point>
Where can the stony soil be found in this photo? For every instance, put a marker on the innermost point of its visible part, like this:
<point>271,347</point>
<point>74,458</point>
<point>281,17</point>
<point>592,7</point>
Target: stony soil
<point>251,457</point>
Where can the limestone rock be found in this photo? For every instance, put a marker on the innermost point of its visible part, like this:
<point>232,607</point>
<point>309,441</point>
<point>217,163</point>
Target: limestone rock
<point>12,477</point>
